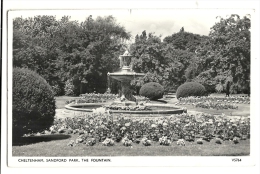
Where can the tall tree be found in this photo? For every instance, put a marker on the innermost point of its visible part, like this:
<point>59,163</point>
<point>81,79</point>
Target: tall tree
<point>185,40</point>
<point>231,43</point>
<point>225,57</point>
<point>161,61</point>
<point>62,50</point>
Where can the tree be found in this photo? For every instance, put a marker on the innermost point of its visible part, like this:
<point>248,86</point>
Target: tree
<point>225,56</point>
<point>35,45</point>
<point>161,62</point>
<point>102,41</point>
<point>62,50</point>
<point>231,45</point>
<point>185,40</point>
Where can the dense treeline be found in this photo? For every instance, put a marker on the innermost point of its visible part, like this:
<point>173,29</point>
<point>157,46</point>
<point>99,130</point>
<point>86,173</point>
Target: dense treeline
<point>69,55</point>
<point>75,57</point>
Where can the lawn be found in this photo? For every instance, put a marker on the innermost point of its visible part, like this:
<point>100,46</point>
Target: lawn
<point>61,101</point>
<point>56,145</point>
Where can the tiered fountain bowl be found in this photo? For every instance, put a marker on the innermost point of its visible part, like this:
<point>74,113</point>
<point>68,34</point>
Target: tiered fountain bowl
<point>127,99</point>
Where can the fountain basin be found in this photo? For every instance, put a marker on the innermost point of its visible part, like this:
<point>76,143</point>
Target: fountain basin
<point>155,109</point>
<point>84,107</point>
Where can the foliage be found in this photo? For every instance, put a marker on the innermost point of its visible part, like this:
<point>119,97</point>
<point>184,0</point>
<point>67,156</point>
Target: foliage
<point>128,108</point>
<point>227,53</point>
<point>93,98</point>
<point>33,102</point>
<point>231,99</point>
<point>205,79</point>
<point>164,140</point>
<point>56,90</point>
<point>181,142</point>
<point>214,102</point>
<point>108,129</point>
<point>215,105</point>
<point>185,40</point>
<point>161,62</point>
<point>108,142</point>
<point>62,49</point>
<point>190,89</point>
<point>152,90</point>
<point>69,88</point>
<point>126,142</point>
<point>219,88</point>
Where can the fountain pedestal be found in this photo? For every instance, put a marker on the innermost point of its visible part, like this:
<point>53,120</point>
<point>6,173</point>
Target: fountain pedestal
<point>125,76</point>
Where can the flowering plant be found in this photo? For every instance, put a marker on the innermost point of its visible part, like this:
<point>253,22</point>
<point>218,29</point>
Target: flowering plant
<point>104,127</point>
<point>181,142</point>
<point>91,142</point>
<point>126,142</point>
<point>146,142</point>
<point>108,142</point>
<point>164,141</point>
<point>210,102</point>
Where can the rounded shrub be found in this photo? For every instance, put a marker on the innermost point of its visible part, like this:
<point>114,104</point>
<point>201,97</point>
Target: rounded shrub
<point>33,102</point>
<point>152,90</point>
<point>191,89</point>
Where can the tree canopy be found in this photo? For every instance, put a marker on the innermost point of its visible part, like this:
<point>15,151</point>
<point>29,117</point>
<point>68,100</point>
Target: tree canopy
<point>67,52</point>
<point>60,50</point>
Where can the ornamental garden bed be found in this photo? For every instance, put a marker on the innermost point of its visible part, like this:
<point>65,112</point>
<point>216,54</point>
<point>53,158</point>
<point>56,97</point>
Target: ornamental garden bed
<point>176,133</point>
<point>58,144</point>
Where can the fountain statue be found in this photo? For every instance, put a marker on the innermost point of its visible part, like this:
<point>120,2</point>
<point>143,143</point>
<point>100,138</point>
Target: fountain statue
<point>125,76</point>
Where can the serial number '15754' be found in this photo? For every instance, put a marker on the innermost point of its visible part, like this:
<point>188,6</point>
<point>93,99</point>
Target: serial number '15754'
<point>236,160</point>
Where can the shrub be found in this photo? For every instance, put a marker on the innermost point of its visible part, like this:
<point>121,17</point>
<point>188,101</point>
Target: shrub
<point>152,90</point>
<point>33,102</point>
<point>69,88</point>
<point>191,89</point>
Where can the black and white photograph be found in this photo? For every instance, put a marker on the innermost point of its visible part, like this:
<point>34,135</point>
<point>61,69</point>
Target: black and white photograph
<point>132,87</point>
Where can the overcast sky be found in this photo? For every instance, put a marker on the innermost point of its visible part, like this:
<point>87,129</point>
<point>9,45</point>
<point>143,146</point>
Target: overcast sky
<point>163,22</point>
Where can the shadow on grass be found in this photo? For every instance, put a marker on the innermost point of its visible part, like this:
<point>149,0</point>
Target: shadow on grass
<point>37,139</point>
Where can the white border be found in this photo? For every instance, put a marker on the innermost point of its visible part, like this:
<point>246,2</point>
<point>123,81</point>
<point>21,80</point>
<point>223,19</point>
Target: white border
<point>248,163</point>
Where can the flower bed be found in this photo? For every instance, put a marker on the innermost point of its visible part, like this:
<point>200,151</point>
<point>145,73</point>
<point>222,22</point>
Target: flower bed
<point>128,108</point>
<point>93,98</point>
<point>101,98</point>
<point>237,100</point>
<point>108,129</point>
<point>218,103</point>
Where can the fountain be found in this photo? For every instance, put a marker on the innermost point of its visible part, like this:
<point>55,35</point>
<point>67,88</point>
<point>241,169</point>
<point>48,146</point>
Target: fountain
<point>127,99</point>
<point>125,76</point>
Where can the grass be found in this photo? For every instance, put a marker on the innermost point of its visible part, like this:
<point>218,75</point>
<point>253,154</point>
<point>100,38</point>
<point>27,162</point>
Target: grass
<point>53,146</point>
<point>56,145</point>
<point>61,101</point>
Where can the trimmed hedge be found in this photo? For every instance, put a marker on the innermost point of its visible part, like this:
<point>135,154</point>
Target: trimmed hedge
<point>152,90</point>
<point>33,102</point>
<point>191,89</point>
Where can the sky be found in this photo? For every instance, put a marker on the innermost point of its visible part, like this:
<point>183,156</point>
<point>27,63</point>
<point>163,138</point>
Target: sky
<point>162,22</point>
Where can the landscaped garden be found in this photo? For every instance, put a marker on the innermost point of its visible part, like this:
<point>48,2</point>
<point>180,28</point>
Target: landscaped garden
<point>199,134</point>
<point>185,95</point>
